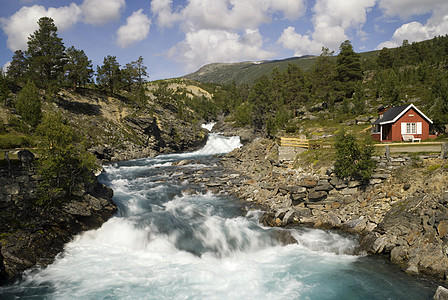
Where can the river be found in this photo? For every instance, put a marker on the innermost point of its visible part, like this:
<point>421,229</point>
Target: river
<point>175,240</point>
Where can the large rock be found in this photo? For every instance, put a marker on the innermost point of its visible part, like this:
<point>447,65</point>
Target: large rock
<point>441,293</point>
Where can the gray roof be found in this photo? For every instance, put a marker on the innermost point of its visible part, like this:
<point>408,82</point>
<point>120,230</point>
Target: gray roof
<point>394,113</point>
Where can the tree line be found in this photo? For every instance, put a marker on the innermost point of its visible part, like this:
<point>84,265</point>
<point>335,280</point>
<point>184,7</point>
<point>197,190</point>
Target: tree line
<point>48,64</point>
<point>344,85</point>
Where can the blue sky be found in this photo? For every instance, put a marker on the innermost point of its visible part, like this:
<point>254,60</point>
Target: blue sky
<point>176,37</point>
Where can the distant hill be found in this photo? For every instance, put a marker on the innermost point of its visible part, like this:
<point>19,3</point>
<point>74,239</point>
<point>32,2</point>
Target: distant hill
<point>246,72</point>
<point>249,71</point>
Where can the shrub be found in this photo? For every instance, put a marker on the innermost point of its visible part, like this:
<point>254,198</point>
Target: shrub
<point>29,105</point>
<point>64,161</point>
<point>353,159</point>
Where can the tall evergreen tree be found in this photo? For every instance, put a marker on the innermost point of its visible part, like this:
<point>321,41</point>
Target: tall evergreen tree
<point>323,77</point>
<point>78,68</point>
<point>295,91</point>
<point>46,54</point>
<point>385,58</point>
<point>348,63</point>
<point>18,68</point>
<point>109,75</point>
<point>259,99</point>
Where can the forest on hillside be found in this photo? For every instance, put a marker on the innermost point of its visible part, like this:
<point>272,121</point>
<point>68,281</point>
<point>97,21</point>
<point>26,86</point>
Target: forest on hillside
<point>345,86</point>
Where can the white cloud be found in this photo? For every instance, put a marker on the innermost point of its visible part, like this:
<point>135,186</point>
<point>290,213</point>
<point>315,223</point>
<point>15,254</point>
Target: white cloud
<point>300,44</point>
<point>332,19</point>
<point>222,30</point>
<point>136,29</point>
<point>19,26</point>
<point>406,8</point>
<point>98,12</point>
<point>206,46</point>
<point>162,10</point>
<point>225,14</point>
<point>416,31</point>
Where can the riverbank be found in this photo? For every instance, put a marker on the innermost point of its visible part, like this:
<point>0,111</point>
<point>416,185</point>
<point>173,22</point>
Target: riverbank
<point>402,212</point>
<point>32,235</point>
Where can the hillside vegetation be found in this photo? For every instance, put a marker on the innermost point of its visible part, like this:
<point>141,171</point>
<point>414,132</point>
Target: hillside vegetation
<point>341,90</point>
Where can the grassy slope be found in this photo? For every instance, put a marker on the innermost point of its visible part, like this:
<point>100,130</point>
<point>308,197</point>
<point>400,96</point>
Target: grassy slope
<point>248,72</point>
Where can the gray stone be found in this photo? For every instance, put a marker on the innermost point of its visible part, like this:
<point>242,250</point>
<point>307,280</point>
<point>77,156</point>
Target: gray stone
<point>412,270</point>
<point>288,218</point>
<point>297,189</point>
<point>349,191</point>
<point>441,293</point>
<point>375,181</point>
<point>315,196</point>
<point>380,176</point>
<point>356,226</point>
<point>323,187</point>
<point>354,183</point>
<point>297,198</point>
<point>280,213</point>
<point>23,178</point>
<point>10,189</point>
<point>338,183</point>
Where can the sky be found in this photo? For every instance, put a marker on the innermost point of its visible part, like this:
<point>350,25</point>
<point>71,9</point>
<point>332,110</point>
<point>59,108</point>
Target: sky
<point>177,37</point>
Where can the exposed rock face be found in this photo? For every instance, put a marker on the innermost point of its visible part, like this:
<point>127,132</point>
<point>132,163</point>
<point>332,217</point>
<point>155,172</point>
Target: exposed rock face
<point>33,235</point>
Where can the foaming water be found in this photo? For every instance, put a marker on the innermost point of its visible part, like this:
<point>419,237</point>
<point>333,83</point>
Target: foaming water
<point>169,244</point>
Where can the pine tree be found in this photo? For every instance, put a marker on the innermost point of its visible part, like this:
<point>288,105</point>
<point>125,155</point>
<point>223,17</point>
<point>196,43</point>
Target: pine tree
<point>109,75</point>
<point>260,101</point>
<point>46,55</point>
<point>385,59</point>
<point>348,63</point>
<point>18,68</point>
<point>78,68</point>
<point>323,76</point>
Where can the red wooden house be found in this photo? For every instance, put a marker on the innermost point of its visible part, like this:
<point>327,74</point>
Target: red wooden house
<point>401,123</point>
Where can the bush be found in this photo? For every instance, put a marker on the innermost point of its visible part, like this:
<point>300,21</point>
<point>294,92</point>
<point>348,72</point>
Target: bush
<point>353,159</point>
<point>64,161</point>
<point>29,105</point>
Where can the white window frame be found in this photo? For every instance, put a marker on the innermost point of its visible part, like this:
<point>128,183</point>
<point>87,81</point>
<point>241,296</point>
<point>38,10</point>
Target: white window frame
<point>411,128</point>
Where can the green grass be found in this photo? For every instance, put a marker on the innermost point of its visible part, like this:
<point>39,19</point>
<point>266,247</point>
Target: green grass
<point>11,141</point>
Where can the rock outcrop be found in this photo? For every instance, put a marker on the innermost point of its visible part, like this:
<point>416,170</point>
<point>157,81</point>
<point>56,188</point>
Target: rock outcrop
<point>32,235</point>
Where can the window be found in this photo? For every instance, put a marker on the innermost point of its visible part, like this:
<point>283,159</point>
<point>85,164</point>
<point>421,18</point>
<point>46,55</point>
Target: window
<point>411,128</point>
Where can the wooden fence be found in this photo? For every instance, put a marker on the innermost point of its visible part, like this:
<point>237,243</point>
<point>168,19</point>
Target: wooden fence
<point>434,147</point>
<point>305,143</point>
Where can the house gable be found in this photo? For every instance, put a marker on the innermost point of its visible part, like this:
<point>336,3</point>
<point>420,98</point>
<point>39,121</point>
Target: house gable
<point>395,113</point>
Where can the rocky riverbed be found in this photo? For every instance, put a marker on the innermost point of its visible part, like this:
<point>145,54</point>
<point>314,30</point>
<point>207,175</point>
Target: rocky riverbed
<point>401,212</point>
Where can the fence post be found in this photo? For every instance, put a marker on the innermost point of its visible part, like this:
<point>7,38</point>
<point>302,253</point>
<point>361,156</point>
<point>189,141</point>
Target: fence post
<point>444,150</point>
<point>387,152</point>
